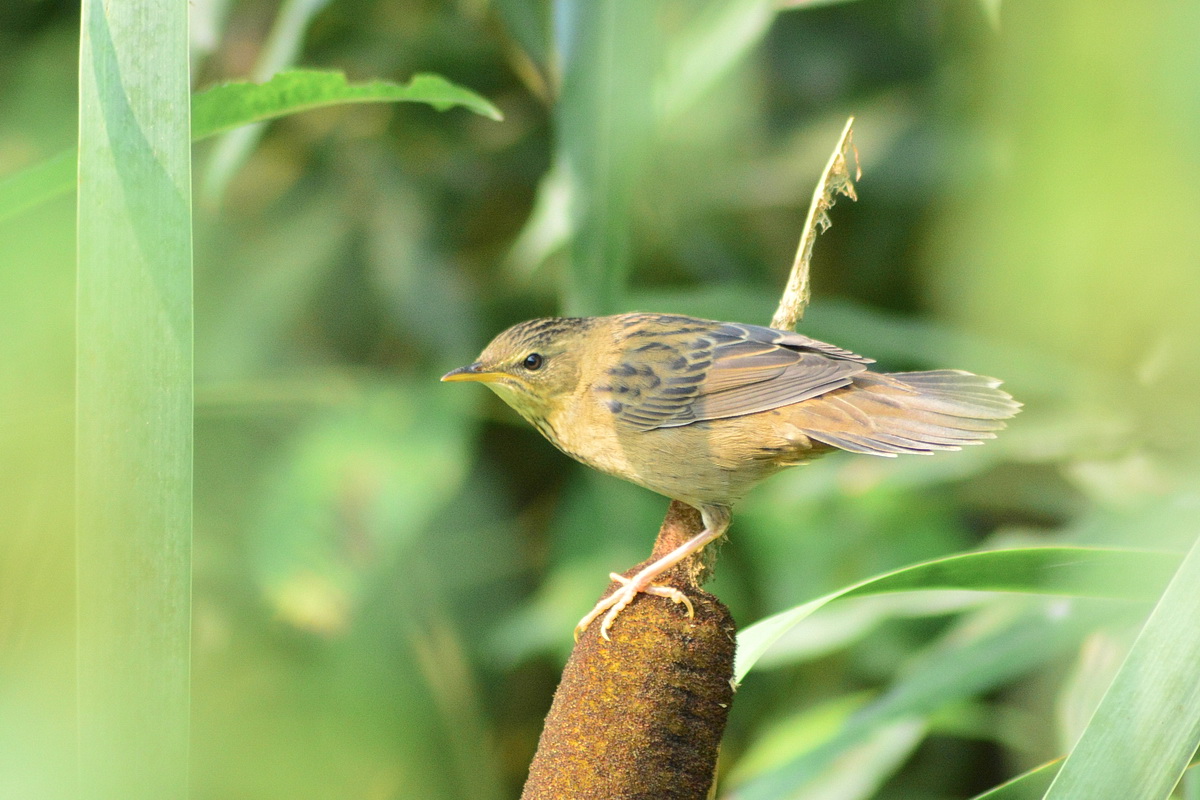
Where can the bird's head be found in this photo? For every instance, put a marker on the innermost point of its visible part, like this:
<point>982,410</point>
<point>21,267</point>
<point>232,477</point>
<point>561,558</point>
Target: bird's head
<point>533,365</point>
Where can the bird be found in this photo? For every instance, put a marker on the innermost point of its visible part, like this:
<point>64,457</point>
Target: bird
<point>700,410</point>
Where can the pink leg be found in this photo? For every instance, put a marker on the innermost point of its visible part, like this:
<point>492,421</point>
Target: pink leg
<point>716,522</point>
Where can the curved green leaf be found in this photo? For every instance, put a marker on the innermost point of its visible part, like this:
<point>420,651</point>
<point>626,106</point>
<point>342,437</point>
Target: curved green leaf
<point>231,105</point>
<point>982,652</point>
<point>1073,571</point>
<point>1030,785</point>
<point>282,47</point>
<point>1147,727</point>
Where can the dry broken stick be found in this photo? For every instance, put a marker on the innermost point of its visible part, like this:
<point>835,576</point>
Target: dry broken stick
<point>835,180</point>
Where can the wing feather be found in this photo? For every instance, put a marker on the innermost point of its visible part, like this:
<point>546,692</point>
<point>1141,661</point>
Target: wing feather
<point>717,370</point>
<point>909,412</point>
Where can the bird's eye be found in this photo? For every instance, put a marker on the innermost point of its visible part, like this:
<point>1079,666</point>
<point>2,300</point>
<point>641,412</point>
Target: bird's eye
<point>532,362</point>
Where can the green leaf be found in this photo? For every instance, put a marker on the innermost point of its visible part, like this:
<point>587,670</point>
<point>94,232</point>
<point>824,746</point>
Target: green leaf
<point>231,105</point>
<point>34,185</point>
<point>528,23</point>
<point>984,651</point>
<point>981,660</point>
<point>1032,785</point>
<point>604,132</point>
<point>1029,785</point>
<point>1073,571</point>
<point>718,38</point>
<point>875,756</point>
<point>133,453</point>
<point>1147,727</point>
<point>282,47</point>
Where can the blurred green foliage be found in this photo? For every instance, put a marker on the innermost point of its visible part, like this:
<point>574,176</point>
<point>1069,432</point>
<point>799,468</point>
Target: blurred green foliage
<point>387,570</point>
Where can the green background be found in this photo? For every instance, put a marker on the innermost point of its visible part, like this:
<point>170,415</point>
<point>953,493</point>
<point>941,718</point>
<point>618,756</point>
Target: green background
<point>386,570</point>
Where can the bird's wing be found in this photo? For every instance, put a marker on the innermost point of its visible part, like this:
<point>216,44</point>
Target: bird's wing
<point>711,370</point>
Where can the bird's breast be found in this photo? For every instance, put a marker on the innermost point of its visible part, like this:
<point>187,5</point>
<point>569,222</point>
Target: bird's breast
<point>700,463</point>
<point>586,429</point>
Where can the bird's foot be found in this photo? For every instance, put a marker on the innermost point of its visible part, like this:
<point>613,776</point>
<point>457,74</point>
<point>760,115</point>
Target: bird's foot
<point>630,588</point>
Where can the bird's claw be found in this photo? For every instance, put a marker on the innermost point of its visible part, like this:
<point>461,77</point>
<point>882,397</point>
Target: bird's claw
<point>630,588</point>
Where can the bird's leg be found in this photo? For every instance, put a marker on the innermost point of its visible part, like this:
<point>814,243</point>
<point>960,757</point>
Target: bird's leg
<point>716,522</point>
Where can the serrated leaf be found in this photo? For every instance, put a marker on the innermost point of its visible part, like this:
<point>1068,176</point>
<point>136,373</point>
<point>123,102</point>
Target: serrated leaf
<point>231,105</point>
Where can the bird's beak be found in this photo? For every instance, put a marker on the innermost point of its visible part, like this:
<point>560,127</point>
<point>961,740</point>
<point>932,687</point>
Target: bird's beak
<point>471,372</point>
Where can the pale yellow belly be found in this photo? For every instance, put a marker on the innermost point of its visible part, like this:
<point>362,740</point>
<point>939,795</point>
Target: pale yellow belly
<point>711,462</point>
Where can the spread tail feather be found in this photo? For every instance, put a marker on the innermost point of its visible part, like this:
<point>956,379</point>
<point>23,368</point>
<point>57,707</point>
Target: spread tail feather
<point>908,412</point>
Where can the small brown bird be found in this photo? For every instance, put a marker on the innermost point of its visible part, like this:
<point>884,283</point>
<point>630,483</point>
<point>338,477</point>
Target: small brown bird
<point>701,411</point>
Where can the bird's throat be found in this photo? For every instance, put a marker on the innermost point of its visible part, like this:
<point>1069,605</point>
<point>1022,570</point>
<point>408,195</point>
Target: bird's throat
<point>531,408</point>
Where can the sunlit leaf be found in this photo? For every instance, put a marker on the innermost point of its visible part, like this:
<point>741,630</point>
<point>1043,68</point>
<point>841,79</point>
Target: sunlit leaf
<point>860,770</point>
<point>133,454</point>
<point>1072,571</point>
<point>229,105</point>
<point>1029,785</point>
<point>1032,785</point>
<point>986,650</point>
<point>43,181</point>
<point>284,44</point>
<point>1147,726</point>
<point>605,124</point>
<point>717,39</point>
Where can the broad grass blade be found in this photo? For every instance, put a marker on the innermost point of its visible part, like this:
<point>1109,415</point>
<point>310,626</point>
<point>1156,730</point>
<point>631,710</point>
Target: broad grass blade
<point>134,400</point>
<point>1030,785</point>
<point>604,125</point>
<point>1070,571</point>
<point>1147,727</point>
